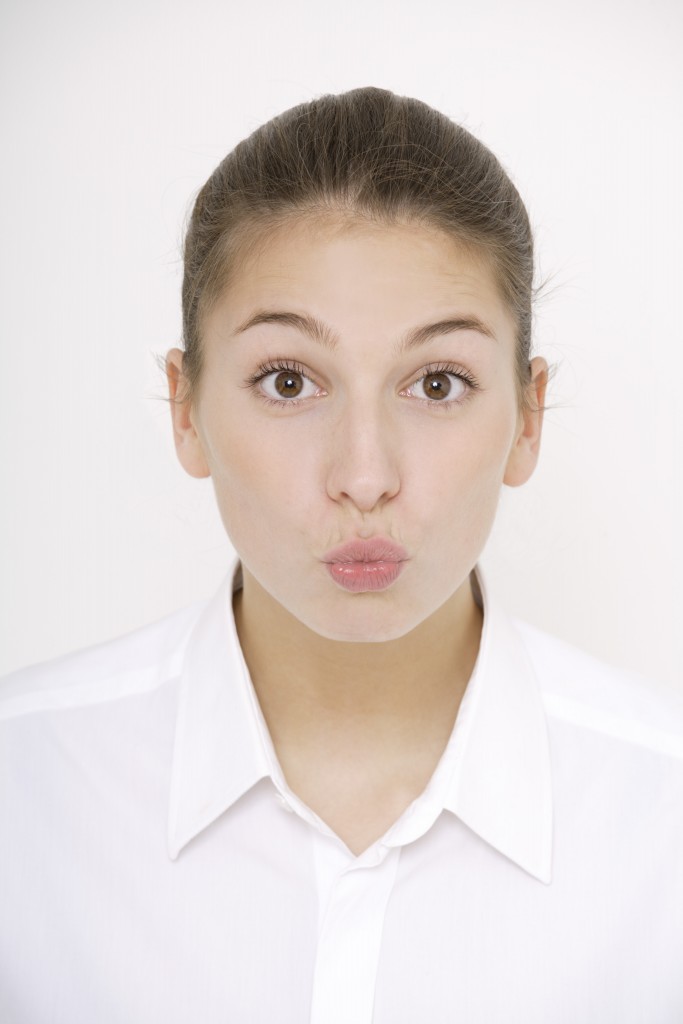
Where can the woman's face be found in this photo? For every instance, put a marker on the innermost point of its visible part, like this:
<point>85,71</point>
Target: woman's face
<point>372,429</point>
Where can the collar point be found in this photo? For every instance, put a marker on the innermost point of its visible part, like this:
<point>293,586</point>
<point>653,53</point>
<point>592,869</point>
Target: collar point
<point>173,847</point>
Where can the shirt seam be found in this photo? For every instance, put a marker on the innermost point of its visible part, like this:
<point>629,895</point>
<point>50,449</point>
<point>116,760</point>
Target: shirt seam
<point>630,731</point>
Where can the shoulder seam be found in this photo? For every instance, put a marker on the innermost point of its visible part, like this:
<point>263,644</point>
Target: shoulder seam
<point>625,729</point>
<point>88,694</point>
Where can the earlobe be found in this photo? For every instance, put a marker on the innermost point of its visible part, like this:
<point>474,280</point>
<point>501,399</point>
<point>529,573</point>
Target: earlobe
<point>525,451</point>
<point>187,441</point>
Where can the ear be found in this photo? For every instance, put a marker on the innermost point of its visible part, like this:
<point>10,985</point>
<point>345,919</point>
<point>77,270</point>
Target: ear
<point>187,441</point>
<point>524,453</point>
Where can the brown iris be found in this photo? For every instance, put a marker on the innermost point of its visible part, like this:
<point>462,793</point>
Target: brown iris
<point>437,385</point>
<point>288,383</point>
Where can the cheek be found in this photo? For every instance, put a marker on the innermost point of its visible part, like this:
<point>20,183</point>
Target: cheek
<point>455,507</point>
<point>463,463</point>
<point>258,477</point>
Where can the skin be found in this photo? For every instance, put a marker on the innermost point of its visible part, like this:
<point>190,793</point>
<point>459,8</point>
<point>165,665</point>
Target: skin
<point>359,690</point>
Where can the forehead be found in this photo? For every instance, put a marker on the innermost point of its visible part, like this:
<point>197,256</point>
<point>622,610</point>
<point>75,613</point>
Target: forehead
<point>357,272</point>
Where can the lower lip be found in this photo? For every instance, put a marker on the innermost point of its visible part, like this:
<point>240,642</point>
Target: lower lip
<point>359,577</point>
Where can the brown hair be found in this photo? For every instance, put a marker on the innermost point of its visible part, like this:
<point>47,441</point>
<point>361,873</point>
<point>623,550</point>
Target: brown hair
<point>367,153</point>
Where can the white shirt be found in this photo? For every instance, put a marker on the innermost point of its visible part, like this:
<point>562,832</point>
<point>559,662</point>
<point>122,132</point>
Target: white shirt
<point>156,867</point>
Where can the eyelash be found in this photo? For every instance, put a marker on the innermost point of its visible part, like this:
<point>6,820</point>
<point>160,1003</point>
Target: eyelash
<point>287,366</point>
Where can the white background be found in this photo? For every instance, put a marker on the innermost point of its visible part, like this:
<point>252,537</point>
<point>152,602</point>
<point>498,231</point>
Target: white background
<point>113,116</point>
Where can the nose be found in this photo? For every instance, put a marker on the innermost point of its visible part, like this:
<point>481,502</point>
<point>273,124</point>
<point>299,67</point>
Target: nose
<point>362,458</point>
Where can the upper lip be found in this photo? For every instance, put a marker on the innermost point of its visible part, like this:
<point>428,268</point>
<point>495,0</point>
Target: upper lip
<point>375,549</point>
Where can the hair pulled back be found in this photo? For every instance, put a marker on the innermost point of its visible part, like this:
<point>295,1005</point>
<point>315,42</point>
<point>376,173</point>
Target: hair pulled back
<point>366,152</point>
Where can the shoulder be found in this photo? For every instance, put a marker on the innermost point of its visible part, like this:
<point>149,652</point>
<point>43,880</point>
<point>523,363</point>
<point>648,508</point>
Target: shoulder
<point>133,663</point>
<point>584,691</point>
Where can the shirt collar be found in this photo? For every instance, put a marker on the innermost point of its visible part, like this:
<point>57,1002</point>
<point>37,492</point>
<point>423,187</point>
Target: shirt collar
<point>218,753</point>
<point>499,780</point>
<point>501,785</point>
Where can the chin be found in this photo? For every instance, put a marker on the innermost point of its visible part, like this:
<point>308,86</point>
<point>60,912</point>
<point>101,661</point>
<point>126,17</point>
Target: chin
<point>363,628</point>
<point>362,636</point>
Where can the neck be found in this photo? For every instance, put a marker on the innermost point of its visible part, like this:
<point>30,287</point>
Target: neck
<point>307,684</point>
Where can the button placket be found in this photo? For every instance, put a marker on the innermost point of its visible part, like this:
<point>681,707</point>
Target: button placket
<point>350,942</point>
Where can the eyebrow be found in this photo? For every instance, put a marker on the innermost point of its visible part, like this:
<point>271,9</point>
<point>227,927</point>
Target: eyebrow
<point>319,332</point>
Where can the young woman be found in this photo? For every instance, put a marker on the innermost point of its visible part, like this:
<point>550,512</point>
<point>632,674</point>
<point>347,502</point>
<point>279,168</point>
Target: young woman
<point>348,788</point>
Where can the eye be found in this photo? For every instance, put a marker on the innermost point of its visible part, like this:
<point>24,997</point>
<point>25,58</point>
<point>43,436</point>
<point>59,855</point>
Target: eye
<point>283,383</point>
<point>442,385</point>
<point>286,384</point>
